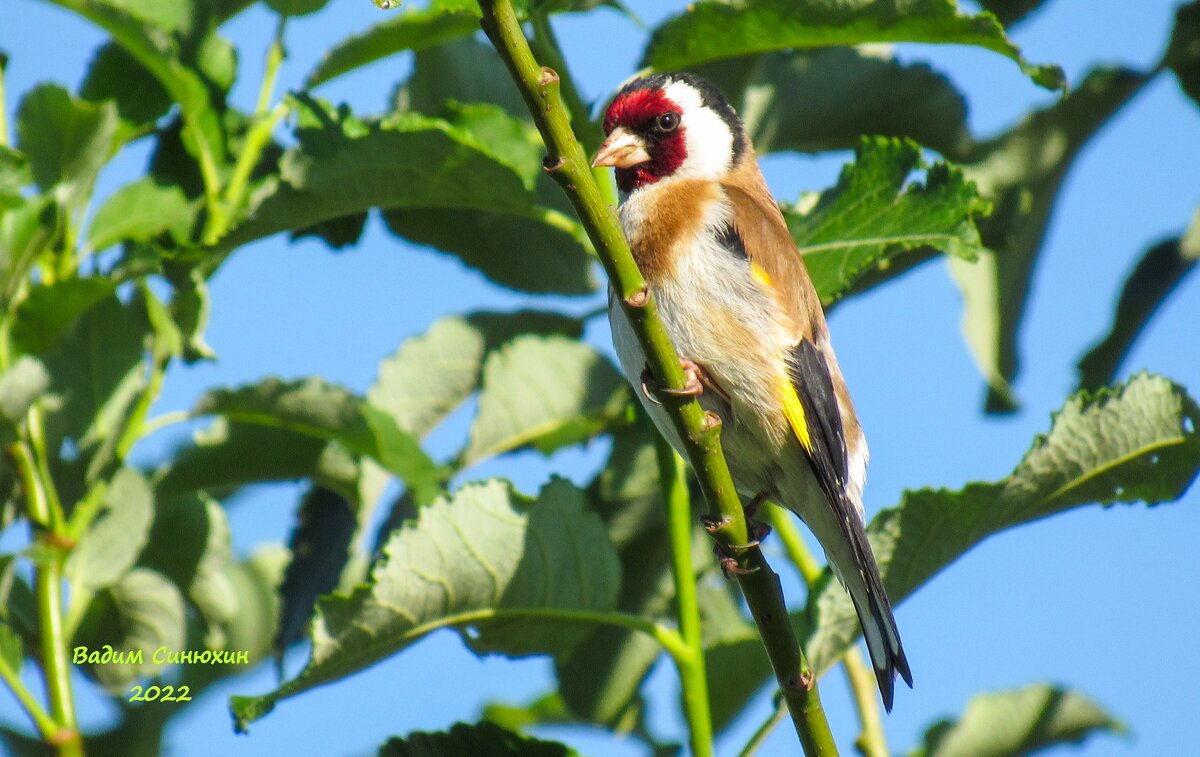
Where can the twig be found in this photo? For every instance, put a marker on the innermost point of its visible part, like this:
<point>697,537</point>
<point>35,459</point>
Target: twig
<point>567,164</point>
<point>692,676</point>
<point>48,593</point>
<point>764,730</point>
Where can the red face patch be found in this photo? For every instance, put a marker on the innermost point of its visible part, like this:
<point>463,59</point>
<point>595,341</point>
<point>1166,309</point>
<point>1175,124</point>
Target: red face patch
<point>639,112</point>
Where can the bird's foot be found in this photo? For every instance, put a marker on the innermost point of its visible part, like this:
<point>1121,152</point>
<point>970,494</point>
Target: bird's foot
<point>728,556</point>
<point>694,381</point>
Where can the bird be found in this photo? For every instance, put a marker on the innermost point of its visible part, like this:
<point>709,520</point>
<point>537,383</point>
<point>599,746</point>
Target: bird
<point>737,301</point>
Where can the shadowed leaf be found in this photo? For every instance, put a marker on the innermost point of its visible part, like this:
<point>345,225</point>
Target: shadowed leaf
<point>479,740</point>
<point>514,570</point>
<point>329,412</point>
<point>828,99</point>
<point>1021,173</point>
<point>1183,54</point>
<point>1156,275</point>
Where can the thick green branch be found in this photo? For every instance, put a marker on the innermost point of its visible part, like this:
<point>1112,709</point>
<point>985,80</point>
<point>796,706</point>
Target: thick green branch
<point>871,741</point>
<point>567,164</point>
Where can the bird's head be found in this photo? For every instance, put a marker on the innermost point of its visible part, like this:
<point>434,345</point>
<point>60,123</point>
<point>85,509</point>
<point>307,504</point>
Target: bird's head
<point>669,125</point>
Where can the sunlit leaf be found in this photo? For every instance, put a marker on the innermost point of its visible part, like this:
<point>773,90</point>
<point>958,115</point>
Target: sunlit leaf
<point>853,230</point>
<point>713,30</point>
<point>1137,442</point>
<point>1017,722</point>
<point>137,212</point>
<point>544,392</point>
<point>414,29</point>
<point>435,372</point>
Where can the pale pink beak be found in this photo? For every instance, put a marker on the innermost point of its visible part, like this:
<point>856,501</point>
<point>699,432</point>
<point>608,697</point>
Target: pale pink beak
<point>622,149</point>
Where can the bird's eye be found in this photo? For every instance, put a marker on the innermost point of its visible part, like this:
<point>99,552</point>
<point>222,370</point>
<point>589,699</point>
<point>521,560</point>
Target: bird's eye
<point>667,121</point>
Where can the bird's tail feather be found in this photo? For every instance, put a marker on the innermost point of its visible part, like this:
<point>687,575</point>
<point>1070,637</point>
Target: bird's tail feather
<point>878,623</point>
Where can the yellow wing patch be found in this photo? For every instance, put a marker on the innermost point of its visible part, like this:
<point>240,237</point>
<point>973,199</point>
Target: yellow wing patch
<point>760,275</point>
<point>795,414</point>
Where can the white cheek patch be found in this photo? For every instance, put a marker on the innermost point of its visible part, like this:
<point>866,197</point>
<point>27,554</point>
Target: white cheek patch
<point>709,140</point>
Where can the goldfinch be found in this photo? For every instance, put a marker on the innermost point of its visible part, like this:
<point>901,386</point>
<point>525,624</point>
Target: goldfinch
<point>740,308</point>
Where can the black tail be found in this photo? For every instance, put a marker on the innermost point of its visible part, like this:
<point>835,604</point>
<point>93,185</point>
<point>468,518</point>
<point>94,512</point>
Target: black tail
<point>878,623</point>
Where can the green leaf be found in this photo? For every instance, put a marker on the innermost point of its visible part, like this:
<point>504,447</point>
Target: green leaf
<point>600,680</point>
<point>115,75</point>
<point>320,543</point>
<point>711,31</point>
<point>854,230</point>
<point>66,140</point>
<point>1137,442</point>
<point>190,544</point>
<point>138,27</point>
<point>415,29</point>
<point>1010,12</point>
<point>434,373</point>
<point>137,212</point>
<point>112,543</point>
<point>296,7</point>
<point>14,176</point>
<point>828,99</point>
<point>554,253</point>
<point>20,386</point>
<point>525,575</point>
<point>479,740</point>
<point>1155,276</point>
<point>49,311</point>
<point>545,392</point>
<point>464,70</point>
<point>1021,173</point>
<point>141,612</point>
<point>98,372</point>
<point>12,651</point>
<point>226,456</point>
<point>1183,53</point>
<point>25,233</point>
<point>1017,722</point>
<point>417,164</point>
<point>329,412</point>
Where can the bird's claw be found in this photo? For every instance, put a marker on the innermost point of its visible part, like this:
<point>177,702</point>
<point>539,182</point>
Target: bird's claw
<point>693,385</point>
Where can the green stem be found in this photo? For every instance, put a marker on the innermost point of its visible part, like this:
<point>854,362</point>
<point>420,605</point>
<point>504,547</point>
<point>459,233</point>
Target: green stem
<point>545,46</point>
<point>693,677</point>
<point>48,595</point>
<point>263,124</point>
<point>871,741</point>
<point>700,432</point>
<point>44,723</point>
<point>3,106</point>
<point>37,436</point>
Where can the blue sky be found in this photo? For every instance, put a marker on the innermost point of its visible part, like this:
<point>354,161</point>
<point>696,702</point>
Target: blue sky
<point>1103,600</point>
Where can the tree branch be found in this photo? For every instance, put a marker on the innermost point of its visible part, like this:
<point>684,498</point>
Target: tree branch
<point>567,164</point>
